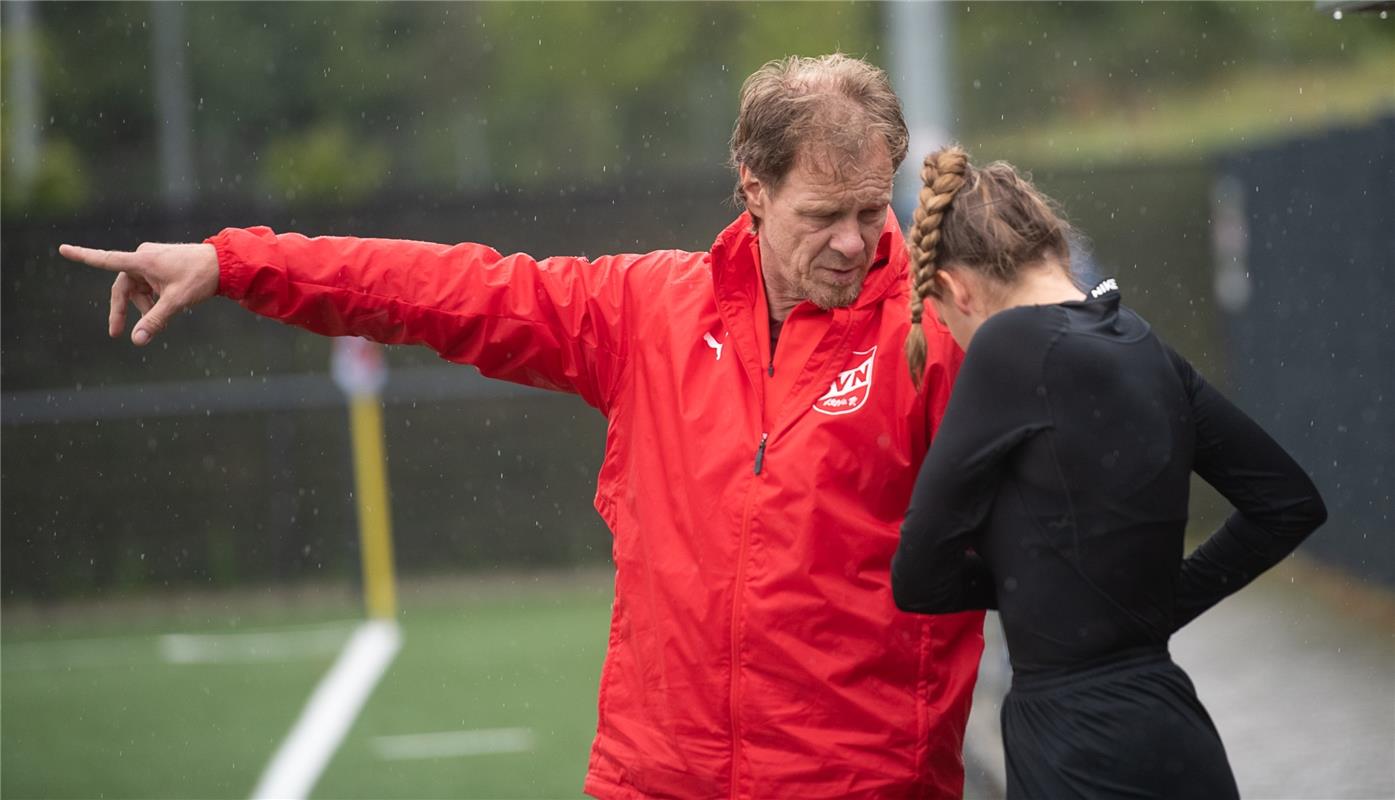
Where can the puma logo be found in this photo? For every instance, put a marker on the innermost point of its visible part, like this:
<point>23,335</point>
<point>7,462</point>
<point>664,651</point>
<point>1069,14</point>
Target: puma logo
<point>714,344</point>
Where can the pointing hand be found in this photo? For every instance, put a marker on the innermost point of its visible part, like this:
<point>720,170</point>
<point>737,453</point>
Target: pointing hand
<point>159,279</point>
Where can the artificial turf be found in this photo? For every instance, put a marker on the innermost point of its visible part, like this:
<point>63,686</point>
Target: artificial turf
<point>108,716</point>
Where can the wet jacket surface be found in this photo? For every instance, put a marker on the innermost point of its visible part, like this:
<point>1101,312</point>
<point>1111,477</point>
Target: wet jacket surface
<point>754,500</point>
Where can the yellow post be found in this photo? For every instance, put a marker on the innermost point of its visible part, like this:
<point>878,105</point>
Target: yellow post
<point>374,521</point>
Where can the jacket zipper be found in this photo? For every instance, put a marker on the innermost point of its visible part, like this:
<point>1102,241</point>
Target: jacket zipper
<point>736,629</point>
<point>736,608</point>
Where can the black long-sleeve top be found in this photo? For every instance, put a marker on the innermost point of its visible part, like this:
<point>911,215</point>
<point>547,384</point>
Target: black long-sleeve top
<point>1056,489</point>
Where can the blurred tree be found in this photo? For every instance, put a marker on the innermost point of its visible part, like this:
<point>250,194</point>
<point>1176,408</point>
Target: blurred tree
<point>321,164</point>
<point>58,187</point>
<point>450,97</point>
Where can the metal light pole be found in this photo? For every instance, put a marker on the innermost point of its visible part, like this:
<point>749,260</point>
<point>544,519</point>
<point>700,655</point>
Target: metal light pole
<point>174,125</point>
<point>22,92</point>
<point>921,39</point>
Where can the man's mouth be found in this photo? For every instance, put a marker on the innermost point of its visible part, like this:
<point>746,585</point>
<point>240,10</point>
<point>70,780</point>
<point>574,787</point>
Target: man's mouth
<point>842,275</point>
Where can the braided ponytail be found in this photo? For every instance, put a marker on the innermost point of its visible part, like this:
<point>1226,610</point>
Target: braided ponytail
<point>945,172</point>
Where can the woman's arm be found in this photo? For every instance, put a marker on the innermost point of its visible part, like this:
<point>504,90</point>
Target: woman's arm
<point>994,407</point>
<point>1277,505</point>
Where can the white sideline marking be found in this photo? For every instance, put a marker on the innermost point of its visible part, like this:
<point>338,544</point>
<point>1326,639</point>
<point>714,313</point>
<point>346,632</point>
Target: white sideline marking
<point>330,712</point>
<point>111,651</point>
<point>178,648</point>
<point>448,744</point>
<point>249,648</point>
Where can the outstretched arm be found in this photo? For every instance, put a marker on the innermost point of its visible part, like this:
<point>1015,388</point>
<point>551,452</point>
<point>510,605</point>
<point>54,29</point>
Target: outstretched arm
<point>557,323</point>
<point>1277,505</point>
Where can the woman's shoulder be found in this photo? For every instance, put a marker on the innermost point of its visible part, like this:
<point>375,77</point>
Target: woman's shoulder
<point>1019,325</point>
<point>1015,340</point>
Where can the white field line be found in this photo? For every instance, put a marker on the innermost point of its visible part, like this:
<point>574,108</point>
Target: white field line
<point>250,648</point>
<point>111,651</point>
<point>330,713</point>
<point>177,648</point>
<point>451,744</point>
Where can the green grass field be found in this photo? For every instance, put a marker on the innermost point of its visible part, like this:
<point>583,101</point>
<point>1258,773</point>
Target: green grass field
<point>96,708</point>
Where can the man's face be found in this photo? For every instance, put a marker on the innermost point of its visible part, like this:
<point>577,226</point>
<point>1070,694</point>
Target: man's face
<point>819,227</point>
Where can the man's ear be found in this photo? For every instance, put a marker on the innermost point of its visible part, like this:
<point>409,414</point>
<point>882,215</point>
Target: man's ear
<point>755,191</point>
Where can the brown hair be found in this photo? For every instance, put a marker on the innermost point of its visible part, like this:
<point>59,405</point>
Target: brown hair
<point>833,100</point>
<point>989,219</point>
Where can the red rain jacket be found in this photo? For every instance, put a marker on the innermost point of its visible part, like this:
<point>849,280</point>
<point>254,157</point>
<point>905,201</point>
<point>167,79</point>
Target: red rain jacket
<point>755,651</point>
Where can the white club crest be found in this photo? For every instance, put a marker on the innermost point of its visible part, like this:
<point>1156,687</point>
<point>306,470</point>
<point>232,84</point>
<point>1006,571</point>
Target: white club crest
<point>851,388</point>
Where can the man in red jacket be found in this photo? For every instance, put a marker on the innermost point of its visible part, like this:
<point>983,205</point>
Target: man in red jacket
<point>764,435</point>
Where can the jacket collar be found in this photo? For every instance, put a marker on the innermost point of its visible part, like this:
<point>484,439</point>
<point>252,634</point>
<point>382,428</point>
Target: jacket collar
<point>736,268</point>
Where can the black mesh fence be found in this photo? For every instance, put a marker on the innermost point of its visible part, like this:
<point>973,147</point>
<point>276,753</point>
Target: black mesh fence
<point>1308,273</point>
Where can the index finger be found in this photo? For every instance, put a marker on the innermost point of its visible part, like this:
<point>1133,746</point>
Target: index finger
<point>111,260</point>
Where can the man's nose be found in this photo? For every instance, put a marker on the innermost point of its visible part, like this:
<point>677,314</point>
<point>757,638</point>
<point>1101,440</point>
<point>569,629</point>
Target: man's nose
<point>847,239</point>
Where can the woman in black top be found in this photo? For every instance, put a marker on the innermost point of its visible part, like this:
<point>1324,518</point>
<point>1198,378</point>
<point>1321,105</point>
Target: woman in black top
<point>1056,492</point>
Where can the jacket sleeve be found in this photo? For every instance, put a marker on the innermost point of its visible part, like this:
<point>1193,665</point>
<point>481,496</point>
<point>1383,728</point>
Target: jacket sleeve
<point>555,324</point>
<point>993,408</point>
<point>1276,504</point>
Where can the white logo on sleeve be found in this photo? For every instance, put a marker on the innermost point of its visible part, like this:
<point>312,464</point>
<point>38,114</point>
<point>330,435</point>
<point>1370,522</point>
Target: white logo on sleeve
<point>850,389</point>
<point>714,344</point>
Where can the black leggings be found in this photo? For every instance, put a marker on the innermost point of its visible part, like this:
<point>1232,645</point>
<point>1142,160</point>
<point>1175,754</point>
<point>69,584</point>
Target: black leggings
<point>1130,726</point>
